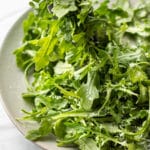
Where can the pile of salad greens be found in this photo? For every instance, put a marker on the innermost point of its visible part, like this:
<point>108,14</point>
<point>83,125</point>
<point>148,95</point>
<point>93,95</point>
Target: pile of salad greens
<point>87,68</point>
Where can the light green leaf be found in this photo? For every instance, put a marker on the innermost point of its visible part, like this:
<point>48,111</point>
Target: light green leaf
<point>89,92</point>
<point>87,144</point>
<point>63,7</point>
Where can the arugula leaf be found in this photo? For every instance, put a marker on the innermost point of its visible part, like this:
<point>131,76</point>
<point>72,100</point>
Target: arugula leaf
<point>41,58</point>
<point>136,74</point>
<point>61,7</point>
<point>87,68</point>
<point>43,130</point>
<point>87,144</point>
<point>89,92</point>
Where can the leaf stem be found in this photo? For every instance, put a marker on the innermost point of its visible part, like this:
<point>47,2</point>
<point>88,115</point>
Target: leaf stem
<point>109,90</point>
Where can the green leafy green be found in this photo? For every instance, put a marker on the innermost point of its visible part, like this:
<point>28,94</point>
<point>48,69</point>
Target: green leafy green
<point>62,7</point>
<point>88,92</point>
<point>87,69</point>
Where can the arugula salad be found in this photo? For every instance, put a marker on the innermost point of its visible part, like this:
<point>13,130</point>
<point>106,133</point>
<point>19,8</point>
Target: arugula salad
<point>87,69</point>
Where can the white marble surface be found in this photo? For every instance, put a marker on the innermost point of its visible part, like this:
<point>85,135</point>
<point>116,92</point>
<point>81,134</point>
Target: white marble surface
<point>10,137</point>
